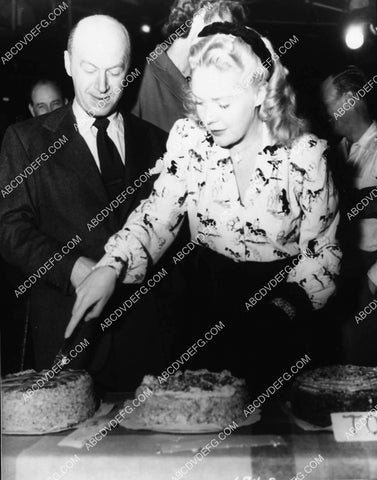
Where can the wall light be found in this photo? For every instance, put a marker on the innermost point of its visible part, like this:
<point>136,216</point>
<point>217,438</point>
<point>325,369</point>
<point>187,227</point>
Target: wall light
<point>360,23</point>
<point>145,28</point>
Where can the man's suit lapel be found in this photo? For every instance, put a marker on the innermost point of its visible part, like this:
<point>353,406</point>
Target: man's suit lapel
<point>77,155</point>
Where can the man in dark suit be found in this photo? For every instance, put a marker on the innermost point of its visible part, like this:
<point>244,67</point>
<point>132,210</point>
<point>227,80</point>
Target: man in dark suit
<point>58,172</point>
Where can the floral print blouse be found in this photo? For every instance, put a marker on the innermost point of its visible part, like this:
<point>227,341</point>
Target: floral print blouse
<point>290,206</point>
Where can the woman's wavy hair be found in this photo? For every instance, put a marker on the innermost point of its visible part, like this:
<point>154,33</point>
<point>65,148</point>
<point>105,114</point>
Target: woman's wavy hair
<point>229,52</point>
<point>183,10</point>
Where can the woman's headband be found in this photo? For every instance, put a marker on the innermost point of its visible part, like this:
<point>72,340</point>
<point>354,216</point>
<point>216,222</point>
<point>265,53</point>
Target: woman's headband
<point>248,35</point>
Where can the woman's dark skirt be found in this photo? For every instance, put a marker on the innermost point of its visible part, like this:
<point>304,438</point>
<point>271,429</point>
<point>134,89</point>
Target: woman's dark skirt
<point>259,342</point>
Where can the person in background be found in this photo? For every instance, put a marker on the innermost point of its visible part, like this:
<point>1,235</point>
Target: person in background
<point>55,222</point>
<point>260,201</point>
<point>162,92</point>
<point>345,96</point>
<point>45,97</point>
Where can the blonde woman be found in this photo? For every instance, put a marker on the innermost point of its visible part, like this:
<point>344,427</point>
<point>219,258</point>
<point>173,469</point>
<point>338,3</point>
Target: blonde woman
<point>257,192</point>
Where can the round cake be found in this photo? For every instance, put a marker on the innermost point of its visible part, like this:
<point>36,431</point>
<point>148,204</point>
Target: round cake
<point>339,388</point>
<point>193,398</point>
<point>34,403</point>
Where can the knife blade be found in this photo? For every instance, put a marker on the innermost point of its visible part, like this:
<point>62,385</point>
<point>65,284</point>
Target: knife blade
<point>62,357</point>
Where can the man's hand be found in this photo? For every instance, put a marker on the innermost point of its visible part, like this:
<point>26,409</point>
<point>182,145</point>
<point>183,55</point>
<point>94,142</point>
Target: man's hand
<point>92,296</point>
<point>81,269</point>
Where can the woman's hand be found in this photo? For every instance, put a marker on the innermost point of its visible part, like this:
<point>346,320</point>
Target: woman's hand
<point>92,295</point>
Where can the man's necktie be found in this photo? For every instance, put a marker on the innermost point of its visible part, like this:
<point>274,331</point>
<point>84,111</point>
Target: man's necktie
<point>112,168</point>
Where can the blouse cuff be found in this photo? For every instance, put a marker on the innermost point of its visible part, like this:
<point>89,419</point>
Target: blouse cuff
<point>117,263</point>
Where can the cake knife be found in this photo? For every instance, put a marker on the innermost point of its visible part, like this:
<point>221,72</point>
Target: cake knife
<point>62,357</point>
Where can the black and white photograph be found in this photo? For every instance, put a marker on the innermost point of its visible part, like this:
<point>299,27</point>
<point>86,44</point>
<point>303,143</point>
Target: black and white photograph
<point>188,239</point>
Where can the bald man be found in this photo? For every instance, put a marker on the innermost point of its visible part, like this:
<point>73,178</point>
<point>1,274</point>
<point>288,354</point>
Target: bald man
<point>69,180</point>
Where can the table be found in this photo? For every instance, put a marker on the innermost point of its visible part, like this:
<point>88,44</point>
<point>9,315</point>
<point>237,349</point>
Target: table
<point>130,455</point>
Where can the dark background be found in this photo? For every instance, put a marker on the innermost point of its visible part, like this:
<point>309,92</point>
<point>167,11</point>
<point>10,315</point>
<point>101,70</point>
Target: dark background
<point>318,25</point>
<point>321,49</point>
